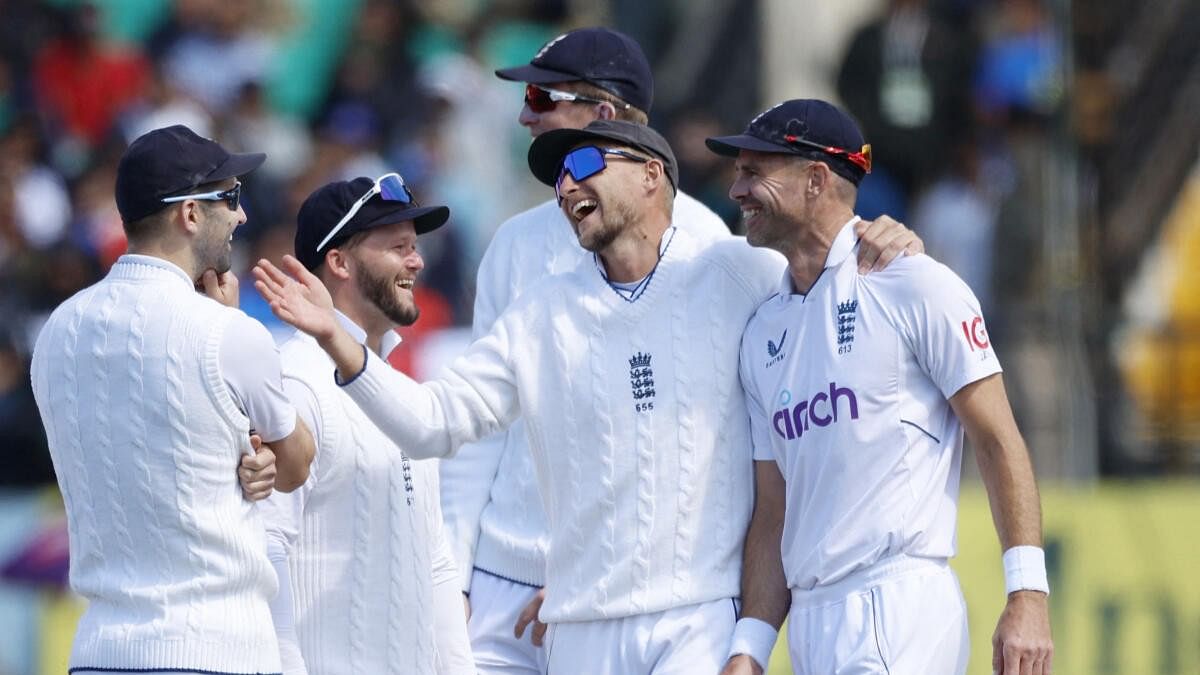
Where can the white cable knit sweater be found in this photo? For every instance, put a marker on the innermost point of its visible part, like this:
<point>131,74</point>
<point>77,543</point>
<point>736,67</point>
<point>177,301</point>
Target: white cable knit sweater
<point>489,492</point>
<point>146,440</point>
<point>636,421</point>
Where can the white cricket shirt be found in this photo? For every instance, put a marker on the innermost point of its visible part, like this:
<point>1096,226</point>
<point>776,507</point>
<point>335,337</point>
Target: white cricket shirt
<point>847,388</point>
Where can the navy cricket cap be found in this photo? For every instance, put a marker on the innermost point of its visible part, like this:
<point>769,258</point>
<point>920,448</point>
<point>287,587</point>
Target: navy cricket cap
<point>326,207</point>
<point>548,150</point>
<point>811,128</point>
<point>172,161</point>
<point>610,60</point>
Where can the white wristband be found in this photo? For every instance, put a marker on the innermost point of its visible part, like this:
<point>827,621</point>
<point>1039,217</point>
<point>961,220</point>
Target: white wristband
<point>1025,570</point>
<point>754,638</point>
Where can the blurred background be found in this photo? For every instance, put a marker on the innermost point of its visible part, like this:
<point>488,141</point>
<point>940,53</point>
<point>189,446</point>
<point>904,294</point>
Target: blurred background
<point>1045,149</point>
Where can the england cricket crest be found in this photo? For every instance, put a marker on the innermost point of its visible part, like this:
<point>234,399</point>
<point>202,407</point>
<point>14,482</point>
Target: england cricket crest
<point>641,380</point>
<point>846,312</point>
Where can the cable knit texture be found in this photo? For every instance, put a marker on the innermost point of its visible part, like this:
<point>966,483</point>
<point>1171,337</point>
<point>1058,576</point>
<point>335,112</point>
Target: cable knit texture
<point>603,384</point>
<point>362,581</point>
<point>493,512</point>
<point>146,439</point>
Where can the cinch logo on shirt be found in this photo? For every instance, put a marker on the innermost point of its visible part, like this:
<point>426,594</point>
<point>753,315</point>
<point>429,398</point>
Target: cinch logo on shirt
<point>821,410</point>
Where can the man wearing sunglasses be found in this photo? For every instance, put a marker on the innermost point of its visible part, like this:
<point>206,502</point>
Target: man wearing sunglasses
<point>624,370</point>
<point>150,393</point>
<point>368,579</point>
<point>859,389</point>
<point>489,493</point>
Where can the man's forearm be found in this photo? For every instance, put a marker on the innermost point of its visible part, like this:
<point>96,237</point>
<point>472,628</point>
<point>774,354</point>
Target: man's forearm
<point>765,593</point>
<point>1007,474</point>
<point>349,356</point>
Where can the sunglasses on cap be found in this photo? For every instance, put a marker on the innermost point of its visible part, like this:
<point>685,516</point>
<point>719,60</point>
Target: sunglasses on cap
<point>587,161</point>
<point>541,99</point>
<point>389,186</point>
<point>861,159</point>
<point>232,197</point>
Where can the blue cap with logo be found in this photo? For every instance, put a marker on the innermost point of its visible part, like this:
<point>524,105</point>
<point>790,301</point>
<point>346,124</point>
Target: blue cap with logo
<point>811,128</point>
<point>605,58</point>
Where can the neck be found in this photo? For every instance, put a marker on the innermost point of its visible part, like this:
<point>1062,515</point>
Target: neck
<point>634,253</point>
<point>360,312</point>
<point>177,252</point>
<point>809,249</point>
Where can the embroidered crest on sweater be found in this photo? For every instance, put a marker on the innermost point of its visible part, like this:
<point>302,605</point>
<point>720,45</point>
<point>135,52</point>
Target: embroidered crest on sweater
<point>641,380</point>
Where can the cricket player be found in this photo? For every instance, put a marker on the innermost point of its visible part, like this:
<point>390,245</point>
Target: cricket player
<point>368,582</point>
<point>859,390</point>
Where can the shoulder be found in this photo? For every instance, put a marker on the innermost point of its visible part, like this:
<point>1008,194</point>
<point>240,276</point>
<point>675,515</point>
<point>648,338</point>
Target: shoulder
<point>917,281</point>
<point>692,215</point>
<point>528,222</point>
<point>758,268</point>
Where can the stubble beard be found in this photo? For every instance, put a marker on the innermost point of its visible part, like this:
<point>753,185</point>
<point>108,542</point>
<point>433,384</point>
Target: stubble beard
<point>616,218</point>
<point>380,291</point>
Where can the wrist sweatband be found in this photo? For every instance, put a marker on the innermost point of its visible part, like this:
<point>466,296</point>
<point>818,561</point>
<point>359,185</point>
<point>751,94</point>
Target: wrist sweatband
<point>1025,570</point>
<point>754,638</point>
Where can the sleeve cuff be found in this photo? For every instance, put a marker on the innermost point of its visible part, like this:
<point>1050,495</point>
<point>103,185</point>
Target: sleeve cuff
<point>754,638</point>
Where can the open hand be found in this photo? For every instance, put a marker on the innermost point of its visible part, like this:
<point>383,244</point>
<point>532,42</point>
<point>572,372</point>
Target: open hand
<point>883,240</point>
<point>257,472</point>
<point>300,299</point>
<point>530,615</point>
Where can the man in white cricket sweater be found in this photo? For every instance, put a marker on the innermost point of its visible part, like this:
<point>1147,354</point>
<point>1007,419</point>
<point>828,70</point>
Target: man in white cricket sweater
<point>368,582</point>
<point>149,393</point>
<point>489,490</point>
<point>860,388</point>
<point>625,372</point>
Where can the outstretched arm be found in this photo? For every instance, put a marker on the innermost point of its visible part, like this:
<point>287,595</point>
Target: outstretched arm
<point>477,394</point>
<point>1022,642</point>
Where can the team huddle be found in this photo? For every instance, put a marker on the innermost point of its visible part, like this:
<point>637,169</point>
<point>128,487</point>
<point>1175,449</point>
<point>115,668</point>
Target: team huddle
<point>662,442</point>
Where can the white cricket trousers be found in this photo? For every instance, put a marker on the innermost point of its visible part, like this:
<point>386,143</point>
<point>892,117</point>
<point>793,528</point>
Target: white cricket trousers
<point>678,641</point>
<point>902,616</point>
<point>495,604</point>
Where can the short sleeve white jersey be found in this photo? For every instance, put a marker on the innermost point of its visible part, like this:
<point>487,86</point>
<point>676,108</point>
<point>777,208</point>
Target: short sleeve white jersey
<point>848,390</point>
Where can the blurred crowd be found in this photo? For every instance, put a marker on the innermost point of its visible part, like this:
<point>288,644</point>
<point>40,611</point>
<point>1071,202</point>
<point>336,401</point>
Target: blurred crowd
<point>958,98</point>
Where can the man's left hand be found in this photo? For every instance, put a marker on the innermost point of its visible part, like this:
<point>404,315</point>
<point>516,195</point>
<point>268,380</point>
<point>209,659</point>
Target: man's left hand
<point>223,288</point>
<point>883,240</point>
<point>1021,644</point>
<point>257,472</point>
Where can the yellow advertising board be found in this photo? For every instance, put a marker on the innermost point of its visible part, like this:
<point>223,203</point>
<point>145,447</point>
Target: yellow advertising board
<point>1124,566</point>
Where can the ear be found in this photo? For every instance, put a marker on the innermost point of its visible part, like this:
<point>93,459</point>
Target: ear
<point>338,263</point>
<point>605,111</point>
<point>655,172</point>
<point>818,179</point>
<point>190,215</point>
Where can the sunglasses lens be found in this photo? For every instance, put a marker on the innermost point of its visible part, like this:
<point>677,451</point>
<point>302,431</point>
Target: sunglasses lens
<point>393,189</point>
<point>233,197</point>
<point>538,99</point>
<point>583,163</point>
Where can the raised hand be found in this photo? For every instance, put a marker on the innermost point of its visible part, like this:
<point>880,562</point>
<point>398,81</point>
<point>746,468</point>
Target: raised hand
<point>223,288</point>
<point>300,299</point>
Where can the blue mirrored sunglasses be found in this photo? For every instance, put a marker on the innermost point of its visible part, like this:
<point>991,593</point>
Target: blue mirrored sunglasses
<point>389,186</point>
<point>587,161</point>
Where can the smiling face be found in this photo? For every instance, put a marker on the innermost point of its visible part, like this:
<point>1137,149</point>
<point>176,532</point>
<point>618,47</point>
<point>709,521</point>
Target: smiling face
<point>385,265</point>
<point>212,247</point>
<point>601,207</point>
<point>770,187</point>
